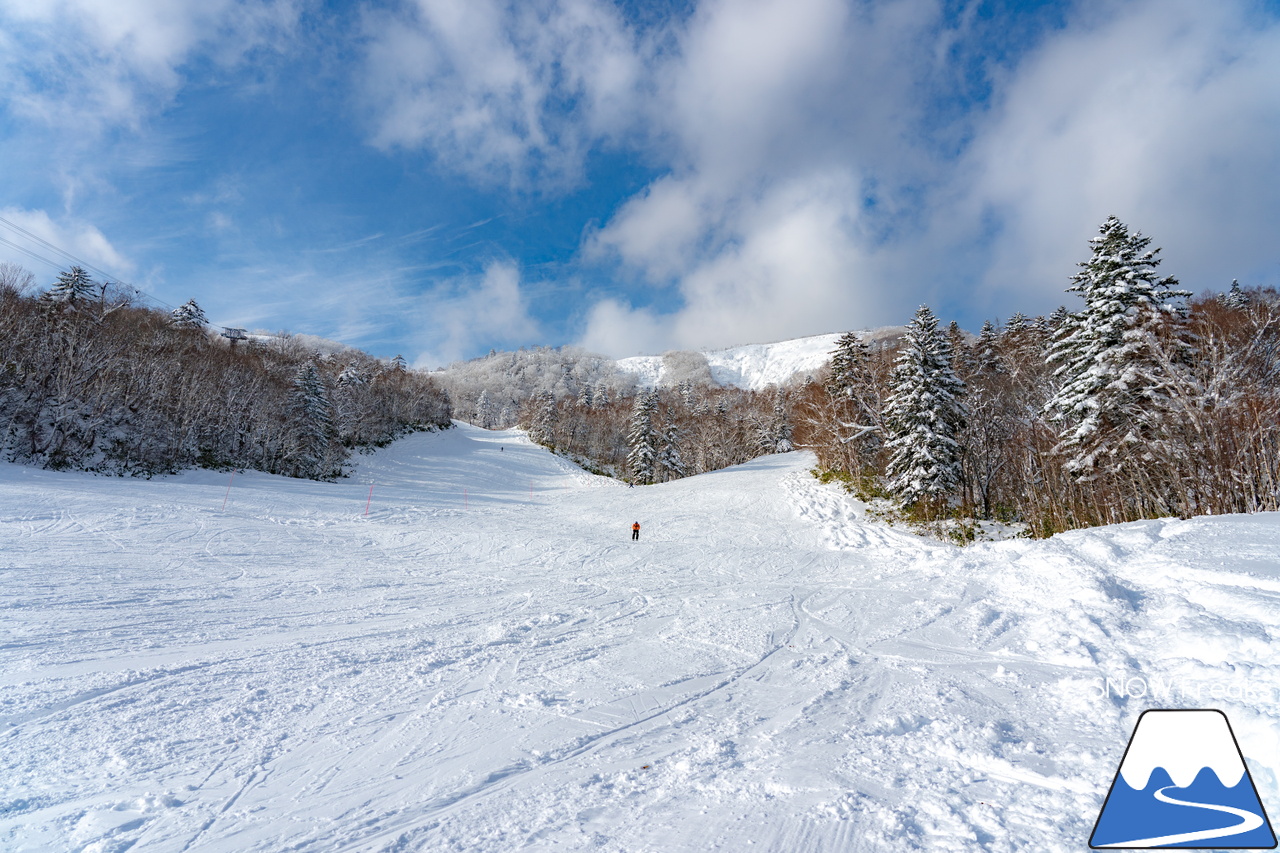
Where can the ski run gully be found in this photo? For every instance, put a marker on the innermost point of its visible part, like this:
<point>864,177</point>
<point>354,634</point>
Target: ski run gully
<point>486,662</point>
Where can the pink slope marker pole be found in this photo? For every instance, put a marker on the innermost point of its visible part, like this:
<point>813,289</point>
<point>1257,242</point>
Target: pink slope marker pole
<point>368,502</point>
<point>228,494</point>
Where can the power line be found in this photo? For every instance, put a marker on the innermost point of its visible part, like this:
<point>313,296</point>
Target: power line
<point>29,253</point>
<point>64,253</point>
<point>80,261</point>
<point>77,261</point>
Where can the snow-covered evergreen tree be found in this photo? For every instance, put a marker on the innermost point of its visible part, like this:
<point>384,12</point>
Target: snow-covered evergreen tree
<point>315,452</point>
<point>924,414</point>
<point>189,315</point>
<point>1235,297</point>
<point>671,464</point>
<point>782,426</point>
<point>71,287</point>
<point>1113,384</point>
<point>585,395</point>
<point>353,376</point>
<point>961,353</point>
<point>642,460</point>
<point>856,404</point>
<point>484,410</point>
<point>687,394</point>
<point>848,365</point>
<point>986,352</point>
<point>544,419</point>
<point>601,398</point>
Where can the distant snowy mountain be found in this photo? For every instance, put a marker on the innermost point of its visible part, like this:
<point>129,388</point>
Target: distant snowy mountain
<point>756,366</point>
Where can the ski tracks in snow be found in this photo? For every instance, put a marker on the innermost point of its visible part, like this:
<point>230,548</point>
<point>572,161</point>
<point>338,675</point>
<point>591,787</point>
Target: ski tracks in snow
<point>501,668</point>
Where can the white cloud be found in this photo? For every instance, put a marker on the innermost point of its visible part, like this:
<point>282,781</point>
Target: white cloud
<point>791,261</point>
<point>786,117</point>
<point>508,93</point>
<point>79,238</point>
<point>658,231</point>
<point>810,191</point>
<point>797,267</point>
<point>1165,115</point>
<point>90,64</point>
<point>620,331</point>
<point>461,314</point>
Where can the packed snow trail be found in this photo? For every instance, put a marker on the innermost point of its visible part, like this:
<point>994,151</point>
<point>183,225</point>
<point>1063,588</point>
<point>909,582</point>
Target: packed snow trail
<point>486,662</point>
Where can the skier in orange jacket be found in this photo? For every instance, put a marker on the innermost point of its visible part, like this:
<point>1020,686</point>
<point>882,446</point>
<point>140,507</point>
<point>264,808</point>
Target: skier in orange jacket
<point>635,530</point>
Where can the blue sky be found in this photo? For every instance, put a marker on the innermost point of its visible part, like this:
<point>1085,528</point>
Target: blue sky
<point>441,177</point>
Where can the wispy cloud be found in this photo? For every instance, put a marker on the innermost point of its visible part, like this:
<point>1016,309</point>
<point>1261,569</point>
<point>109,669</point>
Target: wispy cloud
<point>348,246</point>
<point>90,64</point>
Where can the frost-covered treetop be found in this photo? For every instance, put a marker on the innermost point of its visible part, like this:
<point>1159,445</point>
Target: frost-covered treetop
<point>189,315</point>
<point>71,286</point>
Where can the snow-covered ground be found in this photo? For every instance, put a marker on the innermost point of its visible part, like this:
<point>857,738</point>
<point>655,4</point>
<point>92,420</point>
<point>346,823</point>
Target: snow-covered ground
<point>486,662</point>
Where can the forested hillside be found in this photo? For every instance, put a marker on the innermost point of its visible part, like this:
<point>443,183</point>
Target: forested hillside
<point>91,380</point>
<point>490,391</point>
<point>1144,403</point>
<point>659,435</point>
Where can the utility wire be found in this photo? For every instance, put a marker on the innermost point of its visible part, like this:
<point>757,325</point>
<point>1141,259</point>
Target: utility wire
<point>80,261</point>
<point>29,253</point>
<point>64,253</point>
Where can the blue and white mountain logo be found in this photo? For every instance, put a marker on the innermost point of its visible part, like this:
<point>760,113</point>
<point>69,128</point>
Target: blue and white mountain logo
<point>1183,783</point>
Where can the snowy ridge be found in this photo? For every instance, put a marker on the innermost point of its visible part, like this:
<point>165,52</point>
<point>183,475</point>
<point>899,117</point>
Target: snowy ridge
<point>486,662</point>
<point>756,366</point>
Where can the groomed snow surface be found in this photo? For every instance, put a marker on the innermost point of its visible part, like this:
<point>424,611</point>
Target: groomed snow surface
<point>486,662</point>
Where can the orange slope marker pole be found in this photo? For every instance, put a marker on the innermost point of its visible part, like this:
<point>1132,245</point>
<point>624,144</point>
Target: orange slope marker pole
<point>228,494</point>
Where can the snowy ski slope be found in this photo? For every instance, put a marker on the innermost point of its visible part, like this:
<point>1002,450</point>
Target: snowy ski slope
<point>486,662</point>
